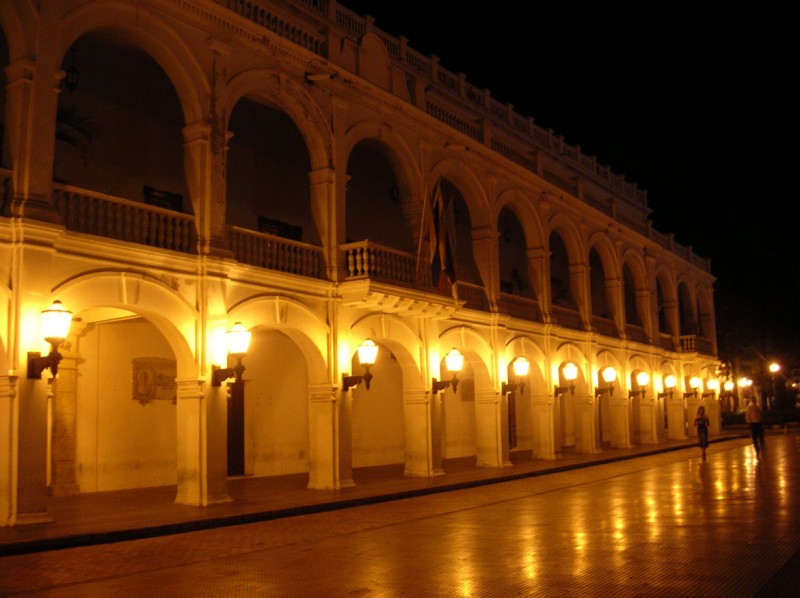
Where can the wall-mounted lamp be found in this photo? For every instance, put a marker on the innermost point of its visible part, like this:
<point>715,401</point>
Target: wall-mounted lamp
<point>609,375</point>
<point>521,367</point>
<point>694,384</point>
<point>238,339</point>
<point>642,380</point>
<point>55,324</point>
<point>570,373</point>
<point>728,386</point>
<point>712,386</point>
<point>669,386</point>
<point>367,354</point>
<point>453,361</point>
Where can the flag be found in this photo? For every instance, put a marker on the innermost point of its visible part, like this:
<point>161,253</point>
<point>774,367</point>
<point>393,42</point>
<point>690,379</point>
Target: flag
<point>427,237</point>
<point>442,265</point>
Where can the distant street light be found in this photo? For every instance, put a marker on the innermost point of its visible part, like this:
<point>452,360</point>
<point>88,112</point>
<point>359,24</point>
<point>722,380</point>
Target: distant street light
<point>774,368</point>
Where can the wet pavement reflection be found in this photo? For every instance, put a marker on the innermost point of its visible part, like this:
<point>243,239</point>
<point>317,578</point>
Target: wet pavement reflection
<point>669,524</point>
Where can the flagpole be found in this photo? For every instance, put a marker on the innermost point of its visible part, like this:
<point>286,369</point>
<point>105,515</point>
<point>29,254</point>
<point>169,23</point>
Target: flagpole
<point>421,231</point>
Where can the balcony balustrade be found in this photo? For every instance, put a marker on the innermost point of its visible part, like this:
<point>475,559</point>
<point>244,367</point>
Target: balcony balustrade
<point>604,326</point>
<point>276,253</point>
<point>473,295</point>
<point>520,307</point>
<point>365,259</point>
<point>98,214</point>
<point>636,333</point>
<point>566,317</point>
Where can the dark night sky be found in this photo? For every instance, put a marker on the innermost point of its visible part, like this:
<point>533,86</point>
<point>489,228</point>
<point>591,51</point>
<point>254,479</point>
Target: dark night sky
<point>695,102</point>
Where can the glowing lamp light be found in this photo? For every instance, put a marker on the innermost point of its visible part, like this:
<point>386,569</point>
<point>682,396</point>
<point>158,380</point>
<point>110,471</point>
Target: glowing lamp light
<point>642,380</point>
<point>608,374</point>
<point>521,367</point>
<point>728,386</point>
<point>569,372</point>
<point>694,384</point>
<point>712,386</point>
<point>238,341</point>
<point>367,355</point>
<point>670,382</point>
<point>56,321</point>
<point>367,352</point>
<point>453,361</point>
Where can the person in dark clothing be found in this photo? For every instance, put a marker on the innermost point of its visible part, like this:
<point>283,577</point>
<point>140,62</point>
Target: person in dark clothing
<point>701,423</point>
<point>753,417</point>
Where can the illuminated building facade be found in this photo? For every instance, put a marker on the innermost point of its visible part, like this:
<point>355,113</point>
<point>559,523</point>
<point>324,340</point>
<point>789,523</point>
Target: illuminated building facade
<point>171,168</point>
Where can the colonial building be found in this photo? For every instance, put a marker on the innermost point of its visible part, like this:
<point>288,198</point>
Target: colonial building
<point>171,168</point>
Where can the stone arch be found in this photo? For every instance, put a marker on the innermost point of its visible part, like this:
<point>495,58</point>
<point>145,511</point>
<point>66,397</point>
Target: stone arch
<point>399,154</point>
<point>475,348</point>
<point>666,301</point>
<point>159,41</point>
<point>295,320</point>
<point>19,20</point>
<point>567,229</point>
<point>279,92</point>
<point>600,245</point>
<point>144,295</point>
<point>687,322</point>
<point>635,288</point>
<point>520,264</point>
<point>569,351</point>
<point>470,187</point>
<point>399,338</point>
<point>566,288</point>
<point>403,164</point>
<point>528,217</point>
<point>606,358</point>
<point>639,363</point>
<point>529,408</point>
<point>525,346</point>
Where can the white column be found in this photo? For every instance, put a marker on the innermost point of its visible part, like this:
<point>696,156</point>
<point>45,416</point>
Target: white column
<point>676,417</point>
<point>29,439</point>
<point>419,437</point>
<point>648,421</point>
<point>619,410</point>
<point>323,438</point>
<point>489,429</point>
<point>585,424</point>
<point>8,449</point>
<point>202,444</point>
<point>542,418</point>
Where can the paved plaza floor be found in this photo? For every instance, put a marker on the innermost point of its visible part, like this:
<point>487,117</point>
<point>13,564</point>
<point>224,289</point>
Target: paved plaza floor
<point>627,523</point>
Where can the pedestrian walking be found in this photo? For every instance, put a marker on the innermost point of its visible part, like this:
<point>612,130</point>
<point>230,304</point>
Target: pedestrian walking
<point>753,417</point>
<point>701,423</point>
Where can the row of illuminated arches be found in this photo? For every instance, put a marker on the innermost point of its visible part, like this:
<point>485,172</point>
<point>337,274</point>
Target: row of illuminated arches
<point>56,321</point>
